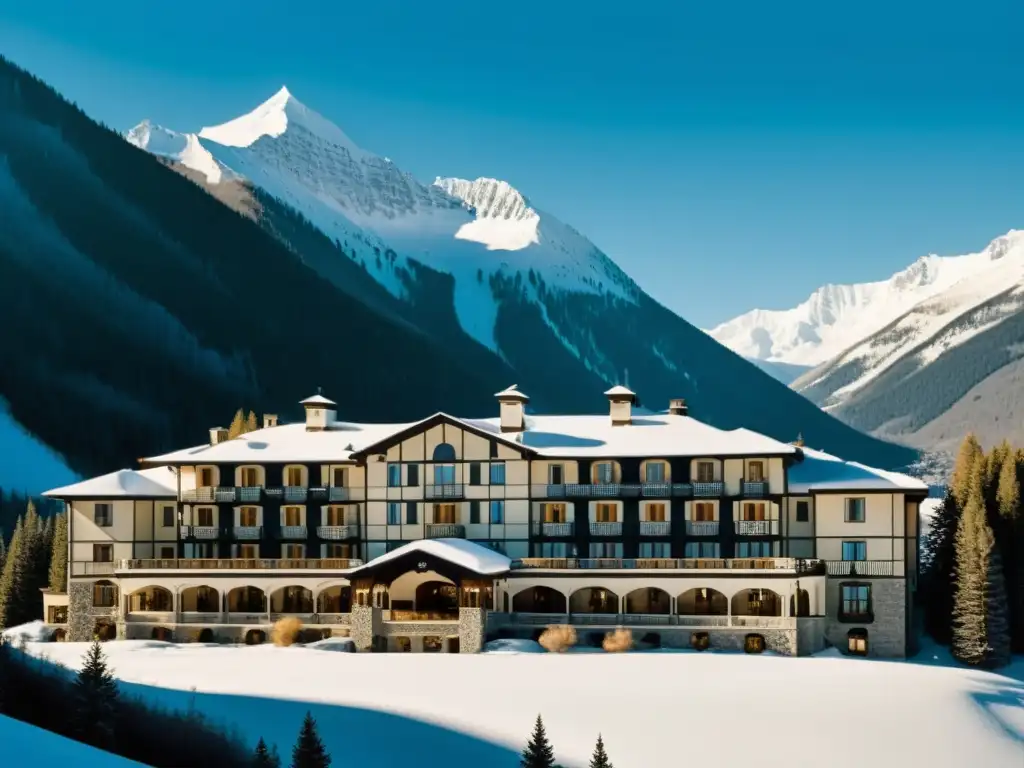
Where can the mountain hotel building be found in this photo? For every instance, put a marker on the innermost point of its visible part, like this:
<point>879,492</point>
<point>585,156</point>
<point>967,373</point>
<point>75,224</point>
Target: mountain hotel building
<point>440,534</point>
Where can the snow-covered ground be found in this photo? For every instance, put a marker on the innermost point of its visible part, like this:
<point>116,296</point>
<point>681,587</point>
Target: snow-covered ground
<point>653,709</point>
<point>39,747</point>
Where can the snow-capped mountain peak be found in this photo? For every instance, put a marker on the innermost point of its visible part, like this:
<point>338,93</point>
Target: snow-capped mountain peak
<point>504,219</point>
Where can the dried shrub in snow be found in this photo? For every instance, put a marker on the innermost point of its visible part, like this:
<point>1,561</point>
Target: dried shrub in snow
<point>558,639</point>
<point>619,641</point>
<point>286,631</point>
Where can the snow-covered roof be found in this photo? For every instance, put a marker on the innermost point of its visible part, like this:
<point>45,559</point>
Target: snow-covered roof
<point>511,393</point>
<point>155,483</point>
<point>820,471</point>
<point>317,399</point>
<point>620,391</point>
<point>460,552</point>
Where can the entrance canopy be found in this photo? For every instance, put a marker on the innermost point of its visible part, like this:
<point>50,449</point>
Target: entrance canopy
<point>455,559</point>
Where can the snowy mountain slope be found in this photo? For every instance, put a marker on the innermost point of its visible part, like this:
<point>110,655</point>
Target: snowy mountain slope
<point>476,258</point>
<point>836,317</point>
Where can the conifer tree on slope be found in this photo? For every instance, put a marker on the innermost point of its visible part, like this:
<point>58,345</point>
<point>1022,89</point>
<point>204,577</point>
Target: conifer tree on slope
<point>1010,541</point>
<point>251,424</point>
<point>265,758</point>
<point>538,752</point>
<point>600,757</point>
<point>969,644</point>
<point>95,700</point>
<point>966,458</point>
<point>12,580</point>
<point>997,619</point>
<point>58,576</point>
<point>939,563</point>
<point>309,750</point>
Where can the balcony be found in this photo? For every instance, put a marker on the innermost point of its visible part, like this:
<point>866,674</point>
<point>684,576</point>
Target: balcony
<point>603,490</point>
<point>445,531</point>
<point>295,493</point>
<point>655,528</point>
<point>859,567</point>
<point>708,490</point>
<point>90,568</point>
<point>553,529</point>
<point>318,493</point>
<point>797,566</point>
<point>337,532</point>
<point>656,490</point>
<point>337,493</point>
<point>684,490</point>
<point>201,532</point>
<point>250,495</point>
<point>755,489</point>
<point>756,527</point>
<point>606,529</point>
<point>248,532</point>
<point>292,532</point>
<point>445,491</point>
<point>239,564</point>
<point>701,527</point>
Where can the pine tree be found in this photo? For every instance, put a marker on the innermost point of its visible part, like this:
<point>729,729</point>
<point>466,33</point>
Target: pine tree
<point>968,455</point>
<point>58,576</point>
<point>938,566</point>
<point>250,422</point>
<point>600,757</point>
<point>95,700</point>
<point>997,618</point>
<point>237,425</point>
<point>12,581</point>
<point>3,551</point>
<point>1008,490</point>
<point>1009,532</point>
<point>309,750</point>
<point>969,644</point>
<point>265,758</point>
<point>538,752</point>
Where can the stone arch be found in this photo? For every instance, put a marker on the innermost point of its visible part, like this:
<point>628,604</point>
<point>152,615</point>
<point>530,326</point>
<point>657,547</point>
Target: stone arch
<point>247,599</point>
<point>151,599</point>
<point>756,602</point>
<point>702,601</point>
<point>104,594</point>
<point>335,599</point>
<point>649,600</point>
<point>539,599</point>
<point>800,603</point>
<point>291,598</point>
<point>593,600</point>
<point>199,599</point>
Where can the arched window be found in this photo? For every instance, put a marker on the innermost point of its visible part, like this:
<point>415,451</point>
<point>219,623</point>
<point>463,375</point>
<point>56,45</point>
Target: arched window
<point>444,452</point>
<point>444,474</point>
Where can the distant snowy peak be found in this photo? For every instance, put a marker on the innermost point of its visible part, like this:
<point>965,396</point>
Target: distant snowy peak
<point>504,220</point>
<point>836,317</point>
<point>184,148</point>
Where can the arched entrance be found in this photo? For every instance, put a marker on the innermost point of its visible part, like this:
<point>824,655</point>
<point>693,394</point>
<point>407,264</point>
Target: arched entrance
<point>201,599</point>
<point>291,599</point>
<point>337,599</point>
<point>539,600</point>
<point>594,600</point>
<point>702,601</point>
<point>648,600</point>
<point>247,600</point>
<point>437,597</point>
<point>150,600</point>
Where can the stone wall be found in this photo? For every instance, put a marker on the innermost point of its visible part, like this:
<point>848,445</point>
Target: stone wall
<point>362,625</point>
<point>810,635</point>
<point>472,629</point>
<point>82,617</point>
<point>887,631</point>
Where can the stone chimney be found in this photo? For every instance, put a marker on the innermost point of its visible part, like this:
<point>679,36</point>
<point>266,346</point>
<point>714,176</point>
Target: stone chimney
<point>677,407</point>
<point>512,409</point>
<point>269,420</point>
<point>320,412</point>
<point>621,400</point>
<point>218,435</point>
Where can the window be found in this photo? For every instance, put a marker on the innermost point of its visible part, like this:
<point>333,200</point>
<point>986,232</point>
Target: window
<point>753,511</point>
<point>703,512</point>
<point>293,551</point>
<point>247,517</point>
<point>340,476</point>
<point>654,472</point>
<point>103,553</point>
<point>556,474</point>
<point>655,513</point>
<point>855,510</point>
<point>394,513</point>
<point>755,472</point>
<point>604,473</point>
<point>498,473</point>
<point>413,475</point>
<point>855,550</point>
<point>553,513</point>
<point>204,517</point>
<point>335,516</point>
<point>655,549</point>
<point>605,549</point>
<point>167,553</point>
<point>202,550</point>
<point>474,473</point>
<point>554,549</point>
<point>856,600</point>
<point>444,452</point>
<point>606,513</point>
<point>291,516</point>
<point>104,515</point>
<point>168,517</point>
<point>705,472</point>
<point>338,550</point>
<point>857,642</point>
<point>205,477</point>
<point>445,514</point>
<point>250,477</point>
<point>702,549</point>
<point>249,551</point>
<point>410,513</point>
<point>497,512</point>
<point>104,595</point>
<point>803,511</point>
<point>394,475</point>
<point>753,549</point>
<point>294,476</point>
<point>474,512</point>
<point>444,474</point>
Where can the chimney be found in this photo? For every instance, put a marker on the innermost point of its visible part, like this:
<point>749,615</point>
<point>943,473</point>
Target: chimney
<point>621,400</point>
<point>677,407</point>
<point>218,435</point>
<point>320,412</point>
<point>269,420</point>
<point>512,409</point>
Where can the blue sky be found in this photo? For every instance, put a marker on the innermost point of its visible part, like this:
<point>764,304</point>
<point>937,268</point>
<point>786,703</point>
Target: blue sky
<point>728,156</point>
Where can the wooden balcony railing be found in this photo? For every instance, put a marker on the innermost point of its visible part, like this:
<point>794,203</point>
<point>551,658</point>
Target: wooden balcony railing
<point>756,527</point>
<point>859,567</point>
<point>243,564</point>
<point>83,568</point>
<point>338,532</point>
<point>655,528</point>
<point>652,619</point>
<point>445,531</point>
<point>799,566</point>
<point>701,527</point>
